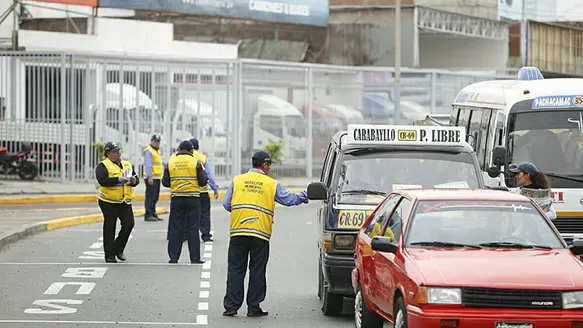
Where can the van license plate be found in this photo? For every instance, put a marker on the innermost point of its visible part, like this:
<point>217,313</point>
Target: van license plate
<point>502,324</point>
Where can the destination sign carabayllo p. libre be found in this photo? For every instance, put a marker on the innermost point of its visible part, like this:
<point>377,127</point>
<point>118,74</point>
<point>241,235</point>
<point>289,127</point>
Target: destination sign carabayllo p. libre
<point>405,134</point>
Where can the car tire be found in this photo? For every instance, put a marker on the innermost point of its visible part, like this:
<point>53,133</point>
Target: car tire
<point>400,314</point>
<point>320,280</point>
<point>332,304</point>
<point>363,316</point>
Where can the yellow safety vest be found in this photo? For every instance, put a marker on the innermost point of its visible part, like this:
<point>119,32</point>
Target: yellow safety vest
<point>182,170</point>
<point>157,163</point>
<point>202,158</point>
<point>253,205</point>
<point>120,193</point>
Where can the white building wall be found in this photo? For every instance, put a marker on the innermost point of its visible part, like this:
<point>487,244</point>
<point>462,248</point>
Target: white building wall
<point>454,51</point>
<point>139,38</point>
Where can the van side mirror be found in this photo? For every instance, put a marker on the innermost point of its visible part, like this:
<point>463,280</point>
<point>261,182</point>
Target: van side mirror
<point>576,247</point>
<point>493,172</point>
<point>499,155</point>
<point>383,244</point>
<point>317,191</point>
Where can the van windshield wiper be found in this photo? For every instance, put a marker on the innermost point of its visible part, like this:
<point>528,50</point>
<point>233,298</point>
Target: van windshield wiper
<point>505,244</point>
<point>566,177</point>
<point>364,191</point>
<point>444,244</point>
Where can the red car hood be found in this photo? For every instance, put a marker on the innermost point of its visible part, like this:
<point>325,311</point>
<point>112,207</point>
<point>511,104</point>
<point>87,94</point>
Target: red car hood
<point>498,268</point>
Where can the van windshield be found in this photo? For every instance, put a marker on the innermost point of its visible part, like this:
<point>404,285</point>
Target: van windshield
<point>367,178</point>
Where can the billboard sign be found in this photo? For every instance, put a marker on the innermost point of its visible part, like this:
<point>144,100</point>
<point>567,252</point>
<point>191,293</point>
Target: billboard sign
<point>304,12</point>
<point>91,3</point>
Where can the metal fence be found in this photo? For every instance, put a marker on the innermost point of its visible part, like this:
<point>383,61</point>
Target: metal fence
<point>64,103</point>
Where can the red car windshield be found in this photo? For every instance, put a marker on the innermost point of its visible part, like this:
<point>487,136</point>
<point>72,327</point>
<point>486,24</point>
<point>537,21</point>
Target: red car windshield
<point>484,223</point>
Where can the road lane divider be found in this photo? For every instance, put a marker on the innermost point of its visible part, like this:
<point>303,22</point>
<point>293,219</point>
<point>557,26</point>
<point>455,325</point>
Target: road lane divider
<point>86,198</point>
<point>32,229</point>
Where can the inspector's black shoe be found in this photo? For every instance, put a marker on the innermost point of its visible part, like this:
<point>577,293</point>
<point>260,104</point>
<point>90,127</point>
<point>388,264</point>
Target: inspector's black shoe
<point>197,262</point>
<point>121,257</point>
<point>150,219</point>
<point>230,313</point>
<point>257,313</point>
<point>110,260</point>
<point>158,218</point>
<point>208,240</point>
<point>173,261</point>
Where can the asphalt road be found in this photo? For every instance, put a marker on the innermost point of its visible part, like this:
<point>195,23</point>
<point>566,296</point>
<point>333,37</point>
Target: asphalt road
<point>147,291</point>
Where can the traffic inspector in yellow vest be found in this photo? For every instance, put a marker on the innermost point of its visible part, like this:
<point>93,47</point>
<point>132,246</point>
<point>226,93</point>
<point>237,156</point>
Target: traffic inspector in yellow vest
<point>117,180</point>
<point>205,200</point>
<point>153,171</point>
<point>251,200</point>
<point>184,176</point>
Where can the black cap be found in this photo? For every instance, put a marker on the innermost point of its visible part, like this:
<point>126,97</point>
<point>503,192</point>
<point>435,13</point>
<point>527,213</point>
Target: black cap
<point>156,137</point>
<point>261,157</point>
<point>525,167</point>
<point>185,145</point>
<point>194,142</point>
<point>111,146</point>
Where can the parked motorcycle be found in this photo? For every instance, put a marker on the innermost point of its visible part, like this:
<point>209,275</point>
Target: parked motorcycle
<point>22,163</point>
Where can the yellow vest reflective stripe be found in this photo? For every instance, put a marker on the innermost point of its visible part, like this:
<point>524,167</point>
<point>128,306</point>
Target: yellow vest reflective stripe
<point>182,170</point>
<point>119,193</point>
<point>253,205</point>
<point>157,163</point>
<point>202,158</point>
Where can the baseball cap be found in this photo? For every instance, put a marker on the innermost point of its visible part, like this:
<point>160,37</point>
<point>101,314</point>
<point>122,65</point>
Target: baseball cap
<point>525,167</point>
<point>194,142</point>
<point>112,146</point>
<point>261,157</point>
<point>185,145</point>
<point>156,137</point>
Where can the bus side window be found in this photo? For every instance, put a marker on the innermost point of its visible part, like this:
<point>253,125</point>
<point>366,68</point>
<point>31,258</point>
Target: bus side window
<point>464,118</point>
<point>499,131</point>
<point>330,170</point>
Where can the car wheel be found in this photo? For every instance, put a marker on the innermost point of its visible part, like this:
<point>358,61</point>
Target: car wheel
<point>331,303</point>
<point>320,280</point>
<point>400,314</point>
<point>363,316</point>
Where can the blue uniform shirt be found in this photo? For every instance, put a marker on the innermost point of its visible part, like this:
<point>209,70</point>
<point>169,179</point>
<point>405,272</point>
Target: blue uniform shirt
<point>148,164</point>
<point>208,168</point>
<point>282,195</point>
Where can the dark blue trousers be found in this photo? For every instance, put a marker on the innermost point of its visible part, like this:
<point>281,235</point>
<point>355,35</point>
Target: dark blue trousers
<point>205,216</point>
<point>245,250</point>
<point>184,219</point>
<point>152,195</point>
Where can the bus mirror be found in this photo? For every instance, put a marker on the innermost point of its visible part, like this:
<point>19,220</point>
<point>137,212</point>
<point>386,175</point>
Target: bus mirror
<point>493,172</point>
<point>499,155</point>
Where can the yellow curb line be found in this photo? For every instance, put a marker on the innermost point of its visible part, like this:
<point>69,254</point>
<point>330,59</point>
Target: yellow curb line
<point>89,198</point>
<point>84,219</point>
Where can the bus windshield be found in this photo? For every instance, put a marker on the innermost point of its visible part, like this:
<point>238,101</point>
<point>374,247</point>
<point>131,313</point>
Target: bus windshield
<point>552,140</point>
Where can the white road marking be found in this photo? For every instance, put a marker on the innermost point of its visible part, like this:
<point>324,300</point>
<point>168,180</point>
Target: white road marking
<point>206,265</point>
<point>205,284</point>
<point>85,288</point>
<point>204,294</point>
<point>98,244</point>
<point>200,320</point>
<point>205,275</point>
<point>207,255</point>
<point>208,248</point>
<point>203,306</point>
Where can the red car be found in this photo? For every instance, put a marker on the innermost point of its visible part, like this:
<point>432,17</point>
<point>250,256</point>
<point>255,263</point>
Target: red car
<point>465,259</point>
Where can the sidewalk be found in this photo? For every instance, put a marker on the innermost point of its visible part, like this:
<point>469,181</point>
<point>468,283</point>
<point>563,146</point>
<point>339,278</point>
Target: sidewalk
<point>16,224</point>
<point>27,192</point>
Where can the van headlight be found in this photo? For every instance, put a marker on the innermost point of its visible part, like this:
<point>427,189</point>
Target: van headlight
<point>344,241</point>
<point>439,295</point>
<point>573,300</point>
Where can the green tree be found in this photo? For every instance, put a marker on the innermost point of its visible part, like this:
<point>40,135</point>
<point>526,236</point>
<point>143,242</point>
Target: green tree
<point>275,150</point>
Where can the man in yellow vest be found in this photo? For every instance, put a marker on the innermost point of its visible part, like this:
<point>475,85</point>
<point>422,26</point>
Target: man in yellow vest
<point>251,199</point>
<point>183,176</point>
<point>205,200</point>
<point>117,180</point>
<point>153,171</point>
